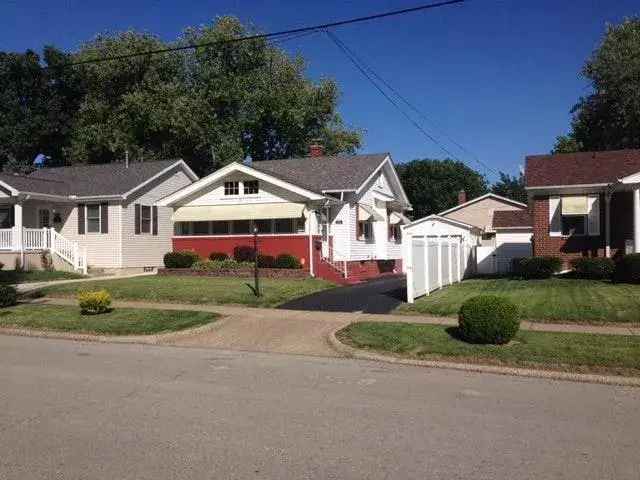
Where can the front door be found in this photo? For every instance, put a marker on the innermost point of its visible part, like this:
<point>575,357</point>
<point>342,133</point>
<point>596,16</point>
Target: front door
<point>324,231</point>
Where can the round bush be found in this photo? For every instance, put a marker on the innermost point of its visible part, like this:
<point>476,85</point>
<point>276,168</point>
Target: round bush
<point>180,259</point>
<point>8,296</point>
<point>266,261</point>
<point>627,269</point>
<point>594,268</point>
<point>488,319</point>
<point>539,267</point>
<point>218,256</point>
<point>244,253</point>
<point>94,302</point>
<point>287,261</point>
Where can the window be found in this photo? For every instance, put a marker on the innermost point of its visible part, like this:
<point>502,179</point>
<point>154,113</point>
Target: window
<point>44,218</point>
<point>145,219</point>
<point>231,188</point>
<point>395,234</point>
<point>574,215</point>
<point>251,187</point>
<point>263,226</point>
<point>201,228</point>
<point>93,218</point>
<point>219,228</point>
<point>242,226</point>
<point>284,225</point>
<point>6,220</point>
<point>574,224</point>
<point>182,228</point>
<point>365,231</point>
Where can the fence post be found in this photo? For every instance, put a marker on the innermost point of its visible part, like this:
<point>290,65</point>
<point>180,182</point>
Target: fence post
<point>450,261</point>
<point>459,259</point>
<point>426,265</point>
<point>75,256</point>
<point>409,269</point>
<point>439,262</point>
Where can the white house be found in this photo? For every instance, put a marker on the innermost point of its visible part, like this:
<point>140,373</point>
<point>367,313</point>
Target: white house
<point>90,216</point>
<point>339,215</point>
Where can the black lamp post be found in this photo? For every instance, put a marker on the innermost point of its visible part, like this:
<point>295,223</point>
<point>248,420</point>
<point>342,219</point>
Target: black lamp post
<point>256,278</point>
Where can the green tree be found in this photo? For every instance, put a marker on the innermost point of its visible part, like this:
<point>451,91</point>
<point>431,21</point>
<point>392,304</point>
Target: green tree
<point>609,118</point>
<point>511,187</point>
<point>566,144</point>
<point>433,185</point>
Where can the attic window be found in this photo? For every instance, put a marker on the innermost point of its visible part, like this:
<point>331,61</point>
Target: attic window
<point>231,188</point>
<point>251,187</point>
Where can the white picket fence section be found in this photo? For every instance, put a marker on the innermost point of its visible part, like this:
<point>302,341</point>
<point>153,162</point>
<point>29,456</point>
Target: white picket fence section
<point>37,239</point>
<point>435,262</point>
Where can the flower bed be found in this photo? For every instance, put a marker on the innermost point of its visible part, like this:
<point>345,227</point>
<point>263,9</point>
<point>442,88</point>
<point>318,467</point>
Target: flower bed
<point>244,272</point>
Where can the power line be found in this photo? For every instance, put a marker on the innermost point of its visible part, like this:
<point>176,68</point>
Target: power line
<point>266,35</point>
<point>404,100</point>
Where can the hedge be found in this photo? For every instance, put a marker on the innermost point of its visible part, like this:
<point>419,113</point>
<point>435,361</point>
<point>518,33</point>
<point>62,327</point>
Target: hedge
<point>594,268</point>
<point>628,269</point>
<point>180,259</point>
<point>539,267</point>
<point>488,319</point>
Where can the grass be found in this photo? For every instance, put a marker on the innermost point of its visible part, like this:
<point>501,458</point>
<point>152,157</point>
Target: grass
<point>197,290</point>
<point>16,276</point>
<point>576,352</point>
<point>121,321</point>
<point>553,300</point>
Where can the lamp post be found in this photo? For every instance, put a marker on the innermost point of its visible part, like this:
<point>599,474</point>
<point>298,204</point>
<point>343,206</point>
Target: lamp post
<point>256,278</point>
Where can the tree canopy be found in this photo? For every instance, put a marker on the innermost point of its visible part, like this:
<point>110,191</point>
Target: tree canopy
<point>210,105</point>
<point>511,187</point>
<point>433,185</point>
<point>609,118</point>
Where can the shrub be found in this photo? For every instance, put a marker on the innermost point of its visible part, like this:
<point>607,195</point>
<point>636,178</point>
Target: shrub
<point>218,256</point>
<point>8,296</point>
<point>1,265</point>
<point>213,265</point>
<point>244,253</point>
<point>266,261</point>
<point>94,302</point>
<point>285,260</point>
<point>488,319</point>
<point>627,269</point>
<point>594,268</point>
<point>539,267</point>
<point>181,259</point>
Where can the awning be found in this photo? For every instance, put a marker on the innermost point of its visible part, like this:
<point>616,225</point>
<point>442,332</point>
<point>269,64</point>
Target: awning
<point>255,211</point>
<point>396,217</point>
<point>575,205</point>
<point>367,213</point>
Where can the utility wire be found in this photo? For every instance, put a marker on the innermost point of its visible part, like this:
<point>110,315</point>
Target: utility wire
<point>404,100</point>
<point>266,35</point>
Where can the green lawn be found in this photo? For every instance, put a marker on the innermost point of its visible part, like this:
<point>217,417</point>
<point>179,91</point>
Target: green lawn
<point>553,300</point>
<point>120,321</point>
<point>16,276</point>
<point>197,290</point>
<point>577,352</point>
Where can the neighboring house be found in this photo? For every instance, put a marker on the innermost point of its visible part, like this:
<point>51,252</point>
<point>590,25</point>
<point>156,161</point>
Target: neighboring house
<point>498,226</point>
<point>339,215</point>
<point>90,216</point>
<point>585,204</point>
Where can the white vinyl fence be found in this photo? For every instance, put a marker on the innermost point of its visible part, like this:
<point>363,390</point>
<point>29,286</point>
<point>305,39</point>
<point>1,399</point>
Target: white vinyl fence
<point>435,262</point>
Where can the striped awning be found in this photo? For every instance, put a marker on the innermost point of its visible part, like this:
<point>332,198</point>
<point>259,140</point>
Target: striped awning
<point>575,205</point>
<point>258,211</point>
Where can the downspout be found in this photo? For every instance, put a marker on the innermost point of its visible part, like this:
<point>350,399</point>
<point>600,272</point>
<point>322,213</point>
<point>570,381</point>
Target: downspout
<point>311,271</point>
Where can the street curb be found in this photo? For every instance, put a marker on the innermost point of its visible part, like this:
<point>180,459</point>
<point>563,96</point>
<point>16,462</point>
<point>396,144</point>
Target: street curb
<point>352,352</point>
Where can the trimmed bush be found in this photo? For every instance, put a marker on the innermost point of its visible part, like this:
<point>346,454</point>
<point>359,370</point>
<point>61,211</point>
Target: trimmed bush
<point>266,261</point>
<point>217,256</point>
<point>180,259</point>
<point>8,296</point>
<point>628,269</point>
<point>285,260</point>
<point>594,268</point>
<point>244,253</point>
<point>539,267</point>
<point>94,302</point>
<point>488,319</point>
<point>212,265</point>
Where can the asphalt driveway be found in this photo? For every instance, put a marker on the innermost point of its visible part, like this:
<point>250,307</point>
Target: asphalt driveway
<point>382,295</point>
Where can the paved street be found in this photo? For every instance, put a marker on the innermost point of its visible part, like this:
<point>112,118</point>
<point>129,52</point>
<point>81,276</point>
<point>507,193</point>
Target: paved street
<point>73,410</point>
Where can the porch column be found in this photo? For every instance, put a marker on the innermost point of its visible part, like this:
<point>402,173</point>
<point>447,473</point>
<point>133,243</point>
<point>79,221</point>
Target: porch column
<point>636,219</point>
<point>607,224</point>
<point>17,226</point>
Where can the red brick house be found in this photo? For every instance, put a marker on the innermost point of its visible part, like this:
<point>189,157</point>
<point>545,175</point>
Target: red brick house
<point>585,204</point>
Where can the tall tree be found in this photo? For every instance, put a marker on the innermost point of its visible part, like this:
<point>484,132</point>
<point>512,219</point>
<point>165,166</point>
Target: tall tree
<point>511,187</point>
<point>609,118</point>
<point>433,185</point>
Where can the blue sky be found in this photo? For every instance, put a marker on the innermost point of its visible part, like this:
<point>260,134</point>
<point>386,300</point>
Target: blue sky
<point>497,76</point>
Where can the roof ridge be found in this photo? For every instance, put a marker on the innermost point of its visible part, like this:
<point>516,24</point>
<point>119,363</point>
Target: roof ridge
<point>93,165</point>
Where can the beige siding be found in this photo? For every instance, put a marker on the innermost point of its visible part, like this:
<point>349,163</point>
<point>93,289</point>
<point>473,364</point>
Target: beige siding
<point>480,214</point>
<point>147,250</point>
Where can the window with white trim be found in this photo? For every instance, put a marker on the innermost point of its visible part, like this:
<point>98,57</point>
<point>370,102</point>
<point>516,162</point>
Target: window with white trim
<point>365,231</point>
<point>250,187</point>
<point>231,188</point>
<point>574,215</point>
<point>145,219</point>
<point>93,218</point>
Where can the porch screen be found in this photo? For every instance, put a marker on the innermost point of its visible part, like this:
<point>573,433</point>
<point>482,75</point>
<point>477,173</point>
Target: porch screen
<point>575,205</point>
<point>238,212</point>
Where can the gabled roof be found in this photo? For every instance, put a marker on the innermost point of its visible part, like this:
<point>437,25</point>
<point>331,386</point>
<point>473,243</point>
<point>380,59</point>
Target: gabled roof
<point>103,180</point>
<point>326,173</point>
<point>512,219</point>
<point>438,218</point>
<point>493,196</point>
<point>583,168</point>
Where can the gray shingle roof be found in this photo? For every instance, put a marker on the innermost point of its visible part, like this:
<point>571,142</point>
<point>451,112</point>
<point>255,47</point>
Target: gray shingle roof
<point>87,180</point>
<point>323,173</point>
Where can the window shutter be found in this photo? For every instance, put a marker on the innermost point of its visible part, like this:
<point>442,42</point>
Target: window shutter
<point>80,208</point>
<point>104,218</point>
<point>594,215</point>
<point>136,218</point>
<point>154,220</point>
<point>555,217</point>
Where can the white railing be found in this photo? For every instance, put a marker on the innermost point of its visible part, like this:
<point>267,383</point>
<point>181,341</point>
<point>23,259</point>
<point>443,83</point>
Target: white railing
<point>339,265</point>
<point>35,238</point>
<point>6,239</point>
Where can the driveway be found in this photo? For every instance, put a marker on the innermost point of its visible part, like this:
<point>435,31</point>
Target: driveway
<point>382,295</point>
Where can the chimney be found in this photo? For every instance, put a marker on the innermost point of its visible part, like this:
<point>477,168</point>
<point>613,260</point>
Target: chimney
<point>316,150</point>
<point>462,197</point>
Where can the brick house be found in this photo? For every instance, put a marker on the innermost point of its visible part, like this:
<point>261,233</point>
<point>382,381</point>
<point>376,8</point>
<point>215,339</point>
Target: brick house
<point>585,204</point>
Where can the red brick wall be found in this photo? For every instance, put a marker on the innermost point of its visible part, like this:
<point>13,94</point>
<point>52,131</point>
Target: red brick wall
<point>569,248</point>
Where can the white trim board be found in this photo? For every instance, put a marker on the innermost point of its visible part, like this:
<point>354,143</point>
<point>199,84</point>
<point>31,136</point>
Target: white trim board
<point>483,197</point>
